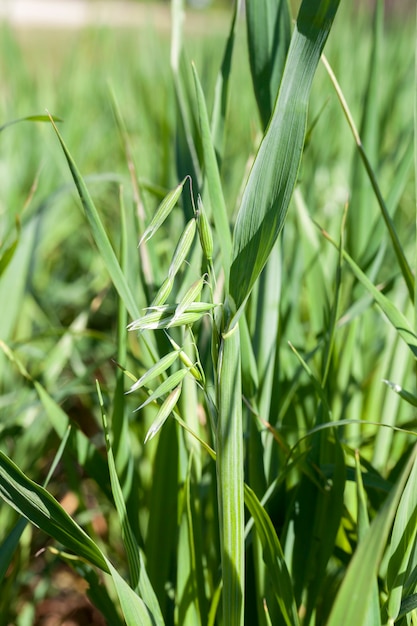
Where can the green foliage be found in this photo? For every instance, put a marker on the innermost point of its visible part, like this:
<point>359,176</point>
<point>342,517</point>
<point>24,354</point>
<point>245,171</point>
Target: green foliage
<point>195,357</point>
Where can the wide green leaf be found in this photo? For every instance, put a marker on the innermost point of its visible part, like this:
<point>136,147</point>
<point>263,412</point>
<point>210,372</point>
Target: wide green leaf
<point>39,507</point>
<point>274,173</point>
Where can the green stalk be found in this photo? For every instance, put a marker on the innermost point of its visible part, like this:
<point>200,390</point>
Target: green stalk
<point>230,477</point>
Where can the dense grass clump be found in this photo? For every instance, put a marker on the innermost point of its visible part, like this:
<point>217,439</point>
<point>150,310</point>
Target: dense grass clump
<point>207,278</point>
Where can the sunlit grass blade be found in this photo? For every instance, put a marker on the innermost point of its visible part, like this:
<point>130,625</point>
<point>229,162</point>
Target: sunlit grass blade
<point>269,33</point>
<point>187,157</point>
<point>139,577</point>
<point>221,93</point>
<point>188,607</point>
<point>31,118</point>
<point>398,248</point>
<point>229,466</point>
<point>395,317</point>
<point>79,445</point>
<point>401,563</point>
<point>100,236</point>
<point>352,601</point>
<point>11,541</point>
<point>374,613</point>
<point>41,509</point>
<point>362,236</point>
<point>278,574</point>
<point>134,610</point>
<point>403,393</point>
<point>274,173</point>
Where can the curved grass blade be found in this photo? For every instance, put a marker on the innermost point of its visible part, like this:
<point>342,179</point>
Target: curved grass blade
<point>374,613</point>
<point>10,543</point>
<point>138,574</point>
<point>100,236</point>
<point>41,509</point>
<point>395,317</point>
<point>401,547</point>
<point>274,173</point>
<point>278,574</point>
<point>352,601</point>
<point>398,249</point>
<point>31,118</point>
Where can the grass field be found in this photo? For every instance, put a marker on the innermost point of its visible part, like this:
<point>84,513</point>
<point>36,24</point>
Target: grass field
<point>216,426</point>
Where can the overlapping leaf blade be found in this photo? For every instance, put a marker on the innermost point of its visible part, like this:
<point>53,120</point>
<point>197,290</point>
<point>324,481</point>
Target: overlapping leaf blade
<point>269,32</point>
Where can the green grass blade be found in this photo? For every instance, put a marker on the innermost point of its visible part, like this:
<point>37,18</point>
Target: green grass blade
<point>229,466</point>
<point>374,613</point>
<point>398,248</point>
<point>362,240</point>
<point>41,509</point>
<point>402,544</point>
<point>162,535</point>
<point>31,118</point>
<point>100,236</point>
<point>274,173</point>
<point>134,610</point>
<point>139,577</point>
<point>269,33</point>
<point>278,574</point>
<point>10,543</point>
<point>188,608</point>
<point>403,393</point>
<point>352,601</point>
<point>7,254</point>
<point>415,169</point>
<point>79,445</point>
<point>396,318</point>
<point>221,93</point>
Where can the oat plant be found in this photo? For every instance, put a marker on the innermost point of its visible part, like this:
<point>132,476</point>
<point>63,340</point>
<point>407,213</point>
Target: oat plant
<point>241,471</point>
